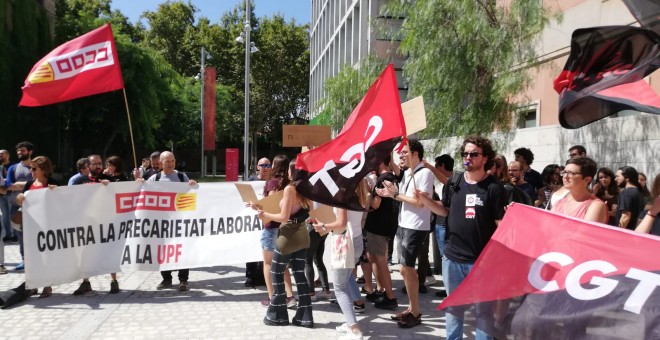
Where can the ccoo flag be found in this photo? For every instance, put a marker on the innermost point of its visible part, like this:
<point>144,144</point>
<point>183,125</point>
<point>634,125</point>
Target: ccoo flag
<point>548,276</point>
<point>330,173</point>
<point>81,67</point>
<point>604,74</point>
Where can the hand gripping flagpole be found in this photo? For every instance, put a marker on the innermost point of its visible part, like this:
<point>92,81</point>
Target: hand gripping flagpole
<point>130,129</point>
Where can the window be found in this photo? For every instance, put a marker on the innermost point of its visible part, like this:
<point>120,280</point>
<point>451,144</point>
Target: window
<point>528,116</point>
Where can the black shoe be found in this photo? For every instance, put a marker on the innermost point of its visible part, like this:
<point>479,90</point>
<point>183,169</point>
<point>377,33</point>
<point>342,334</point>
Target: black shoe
<point>14,239</point>
<point>276,323</point>
<point>375,296</point>
<point>85,287</point>
<point>441,294</point>
<point>114,287</point>
<point>299,323</point>
<point>423,289</point>
<point>164,284</point>
<point>249,283</point>
<point>359,308</point>
<point>386,303</point>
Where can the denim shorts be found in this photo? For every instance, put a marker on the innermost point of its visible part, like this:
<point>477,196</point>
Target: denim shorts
<point>268,237</point>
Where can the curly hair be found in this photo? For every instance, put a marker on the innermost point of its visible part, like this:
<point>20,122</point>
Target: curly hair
<point>526,154</point>
<point>485,145</point>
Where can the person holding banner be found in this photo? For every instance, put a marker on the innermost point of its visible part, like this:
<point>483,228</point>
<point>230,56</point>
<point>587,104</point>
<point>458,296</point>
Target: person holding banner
<point>169,174</point>
<point>290,249</point>
<point>41,169</point>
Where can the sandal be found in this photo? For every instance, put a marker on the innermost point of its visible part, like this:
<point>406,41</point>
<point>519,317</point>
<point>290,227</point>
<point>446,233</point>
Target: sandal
<point>46,292</point>
<point>399,316</point>
<point>410,321</point>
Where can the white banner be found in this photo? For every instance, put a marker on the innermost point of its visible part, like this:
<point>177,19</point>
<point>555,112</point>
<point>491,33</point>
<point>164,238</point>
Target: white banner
<point>82,231</point>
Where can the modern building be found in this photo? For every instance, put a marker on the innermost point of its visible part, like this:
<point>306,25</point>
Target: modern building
<point>341,34</point>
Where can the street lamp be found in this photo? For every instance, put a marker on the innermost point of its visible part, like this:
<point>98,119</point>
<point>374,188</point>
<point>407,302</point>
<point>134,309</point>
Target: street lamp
<point>205,56</point>
<point>249,48</point>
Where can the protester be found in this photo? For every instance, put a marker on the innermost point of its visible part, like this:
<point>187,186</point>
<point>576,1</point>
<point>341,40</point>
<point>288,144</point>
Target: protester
<point>414,226</point>
<point>251,268</point>
<point>343,279</point>
<point>42,170</point>
<point>380,226</point>
<point>525,157</point>
<point>82,175</point>
<point>551,182</point>
<point>577,151</point>
<point>630,202</point>
<point>290,248</point>
<point>5,204</point>
<point>169,174</point>
<point>474,205</point>
<point>605,188</point>
<point>650,223</point>
<point>17,175</point>
<point>278,180</point>
<point>580,202</point>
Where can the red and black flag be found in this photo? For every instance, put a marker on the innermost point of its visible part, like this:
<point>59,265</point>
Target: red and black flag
<point>604,74</point>
<point>549,276</point>
<point>647,13</point>
<point>330,173</point>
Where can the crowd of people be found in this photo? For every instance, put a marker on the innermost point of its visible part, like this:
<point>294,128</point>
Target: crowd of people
<point>406,200</point>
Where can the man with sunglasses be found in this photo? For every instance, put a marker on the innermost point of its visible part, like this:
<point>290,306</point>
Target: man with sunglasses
<point>474,204</point>
<point>252,268</point>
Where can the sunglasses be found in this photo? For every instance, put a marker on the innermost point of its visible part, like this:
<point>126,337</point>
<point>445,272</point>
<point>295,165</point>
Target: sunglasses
<point>265,166</point>
<point>34,169</point>
<point>471,154</point>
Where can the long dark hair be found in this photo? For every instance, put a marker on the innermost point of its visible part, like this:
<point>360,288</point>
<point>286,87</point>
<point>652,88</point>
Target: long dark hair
<point>612,189</point>
<point>280,170</point>
<point>632,175</point>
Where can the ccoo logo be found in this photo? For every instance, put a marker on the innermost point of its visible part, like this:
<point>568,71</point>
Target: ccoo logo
<point>153,200</point>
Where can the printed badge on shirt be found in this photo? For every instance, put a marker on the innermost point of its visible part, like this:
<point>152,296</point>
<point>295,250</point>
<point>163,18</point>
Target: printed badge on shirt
<point>472,200</point>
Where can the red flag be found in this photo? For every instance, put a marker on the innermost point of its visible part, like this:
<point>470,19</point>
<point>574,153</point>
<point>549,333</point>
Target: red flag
<point>604,74</point>
<point>330,173</point>
<point>81,67</point>
<point>548,276</point>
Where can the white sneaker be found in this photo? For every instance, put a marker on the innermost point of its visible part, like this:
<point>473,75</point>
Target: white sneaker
<point>312,297</point>
<point>352,336</point>
<point>342,328</point>
<point>430,280</point>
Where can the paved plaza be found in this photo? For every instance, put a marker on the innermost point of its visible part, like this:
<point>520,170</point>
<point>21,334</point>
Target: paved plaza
<point>217,306</point>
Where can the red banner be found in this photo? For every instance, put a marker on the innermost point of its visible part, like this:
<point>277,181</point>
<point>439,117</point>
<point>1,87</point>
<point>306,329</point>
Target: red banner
<point>330,173</point>
<point>209,108</point>
<point>82,67</point>
<point>548,276</point>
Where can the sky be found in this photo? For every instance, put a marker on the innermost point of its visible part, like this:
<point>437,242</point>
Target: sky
<point>213,9</point>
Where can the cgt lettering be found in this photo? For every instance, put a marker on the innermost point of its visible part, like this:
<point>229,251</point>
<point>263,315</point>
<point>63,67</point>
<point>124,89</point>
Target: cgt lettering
<point>648,281</point>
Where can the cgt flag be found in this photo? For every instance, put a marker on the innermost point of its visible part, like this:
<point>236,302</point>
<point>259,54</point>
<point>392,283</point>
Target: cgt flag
<point>604,74</point>
<point>81,67</point>
<point>330,173</point>
<point>548,276</point>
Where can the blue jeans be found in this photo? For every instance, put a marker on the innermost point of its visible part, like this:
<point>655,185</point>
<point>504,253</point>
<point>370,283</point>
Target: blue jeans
<point>346,288</point>
<point>4,209</point>
<point>440,237</point>
<point>453,273</point>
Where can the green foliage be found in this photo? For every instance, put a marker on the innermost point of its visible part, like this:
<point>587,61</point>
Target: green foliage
<point>467,59</point>
<point>345,90</point>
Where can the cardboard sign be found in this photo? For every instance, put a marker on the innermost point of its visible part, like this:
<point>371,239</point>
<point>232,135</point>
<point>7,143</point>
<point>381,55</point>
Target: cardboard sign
<point>414,115</point>
<point>304,135</point>
<point>270,204</point>
<point>323,213</point>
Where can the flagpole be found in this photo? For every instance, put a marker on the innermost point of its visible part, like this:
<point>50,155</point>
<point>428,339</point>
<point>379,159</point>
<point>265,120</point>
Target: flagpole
<point>130,128</point>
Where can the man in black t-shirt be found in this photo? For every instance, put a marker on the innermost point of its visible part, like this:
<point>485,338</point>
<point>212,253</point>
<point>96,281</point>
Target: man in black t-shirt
<point>380,226</point>
<point>631,201</point>
<point>474,205</point>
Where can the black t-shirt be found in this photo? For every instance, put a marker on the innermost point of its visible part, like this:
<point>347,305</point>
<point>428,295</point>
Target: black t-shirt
<point>472,213</point>
<point>529,189</point>
<point>655,227</point>
<point>534,178</point>
<point>630,199</point>
<point>384,220</point>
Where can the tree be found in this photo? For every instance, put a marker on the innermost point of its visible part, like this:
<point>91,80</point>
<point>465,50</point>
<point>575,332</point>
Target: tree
<point>468,59</point>
<point>345,90</point>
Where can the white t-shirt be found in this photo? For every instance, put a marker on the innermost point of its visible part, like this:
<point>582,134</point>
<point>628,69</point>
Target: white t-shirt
<point>353,221</point>
<point>412,216</point>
